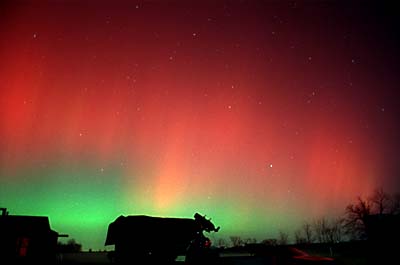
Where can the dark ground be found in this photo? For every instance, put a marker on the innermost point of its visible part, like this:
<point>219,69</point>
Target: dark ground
<point>343,255</point>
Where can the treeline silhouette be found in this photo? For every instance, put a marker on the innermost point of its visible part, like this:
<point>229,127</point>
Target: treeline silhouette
<point>71,246</point>
<point>366,233</point>
<point>377,213</point>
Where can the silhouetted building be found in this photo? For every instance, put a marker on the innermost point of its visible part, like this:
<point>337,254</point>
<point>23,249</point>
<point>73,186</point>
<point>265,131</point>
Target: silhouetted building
<point>382,228</point>
<point>383,233</point>
<point>26,238</point>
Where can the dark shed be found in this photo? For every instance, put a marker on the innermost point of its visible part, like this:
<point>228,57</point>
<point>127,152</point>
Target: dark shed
<point>27,238</point>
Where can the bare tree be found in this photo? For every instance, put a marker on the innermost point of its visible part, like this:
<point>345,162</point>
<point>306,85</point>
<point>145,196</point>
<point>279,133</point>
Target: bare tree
<point>250,240</point>
<point>307,229</point>
<point>298,237</point>
<point>354,220</point>
<point>380,201</point>
<point>283,238</point>
<point>319,227</point>
<point>71,246</point>
<point>221,242</point>
<point>270,242</point>
<point>395,205</point>
<point>336,230</point>
<point>236,241</point>
<point>305,233</point>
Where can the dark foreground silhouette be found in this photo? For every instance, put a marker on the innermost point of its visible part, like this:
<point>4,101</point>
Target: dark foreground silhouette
<point>27,239</point>
<point>258,254</point>
<point>140,239</point>
<point>160,239</point>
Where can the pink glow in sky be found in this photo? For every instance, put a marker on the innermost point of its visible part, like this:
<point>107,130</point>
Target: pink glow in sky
<point>235,109</point>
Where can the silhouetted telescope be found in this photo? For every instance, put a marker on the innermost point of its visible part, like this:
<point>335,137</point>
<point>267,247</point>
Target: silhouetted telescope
<point>159,239</point>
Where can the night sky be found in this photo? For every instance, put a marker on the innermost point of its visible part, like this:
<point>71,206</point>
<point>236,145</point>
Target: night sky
<point>258,114</point>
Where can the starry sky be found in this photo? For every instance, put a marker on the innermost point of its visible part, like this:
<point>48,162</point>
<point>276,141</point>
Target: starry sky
<point>258,114</point>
